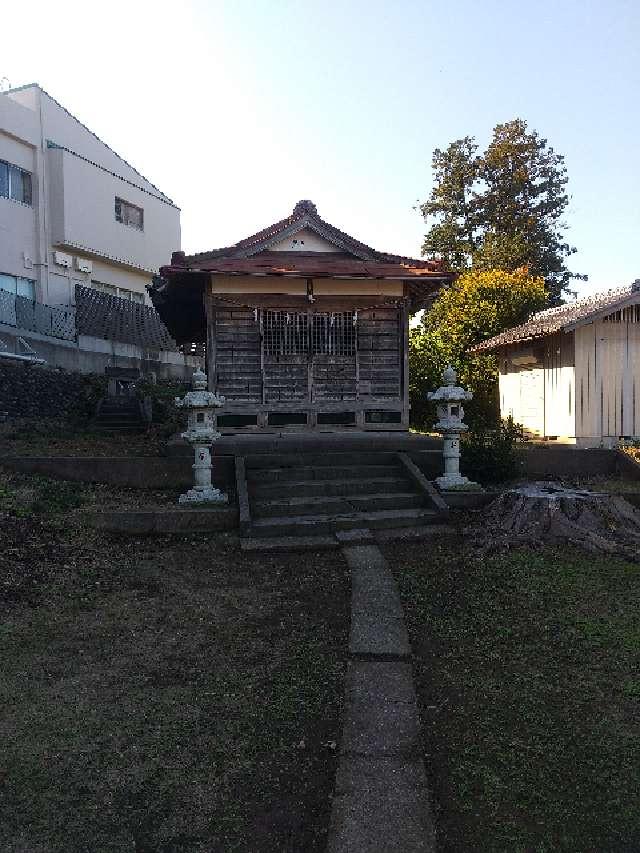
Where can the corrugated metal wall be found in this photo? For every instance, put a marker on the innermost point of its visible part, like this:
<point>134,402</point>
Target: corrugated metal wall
<point>607,364</point>
<point>559,385</point>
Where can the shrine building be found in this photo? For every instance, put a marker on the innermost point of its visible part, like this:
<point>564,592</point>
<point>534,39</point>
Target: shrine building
<point>305,327</point>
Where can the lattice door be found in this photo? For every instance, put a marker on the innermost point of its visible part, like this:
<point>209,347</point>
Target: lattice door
<point>309,355</point>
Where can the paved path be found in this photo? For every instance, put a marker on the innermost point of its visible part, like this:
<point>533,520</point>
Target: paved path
<point>381,802</point>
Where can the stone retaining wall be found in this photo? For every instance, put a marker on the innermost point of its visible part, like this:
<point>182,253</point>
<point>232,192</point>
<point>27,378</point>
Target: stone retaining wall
<point>32,391</point>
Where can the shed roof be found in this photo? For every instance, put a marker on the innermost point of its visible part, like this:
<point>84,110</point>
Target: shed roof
<point>564,317</point>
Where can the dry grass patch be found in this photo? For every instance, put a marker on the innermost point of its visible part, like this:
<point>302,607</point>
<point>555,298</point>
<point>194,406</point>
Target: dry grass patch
<point>165,694</point>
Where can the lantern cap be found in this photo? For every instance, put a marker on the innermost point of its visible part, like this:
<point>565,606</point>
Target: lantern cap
<point>450,392</point>
<point>199,380</point>
<point>449,375</point>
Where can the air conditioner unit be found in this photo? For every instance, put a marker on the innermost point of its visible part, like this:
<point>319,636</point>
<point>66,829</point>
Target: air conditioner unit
<point>82,265</point>
<point>62,259</point>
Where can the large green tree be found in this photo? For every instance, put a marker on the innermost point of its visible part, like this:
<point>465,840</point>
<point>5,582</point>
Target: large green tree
<point>501,209</point>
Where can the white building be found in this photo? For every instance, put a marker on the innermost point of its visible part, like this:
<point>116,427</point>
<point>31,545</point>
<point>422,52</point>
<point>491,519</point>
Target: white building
<point>78,225</point>
<point>572,373</point>
<point>73,211</point>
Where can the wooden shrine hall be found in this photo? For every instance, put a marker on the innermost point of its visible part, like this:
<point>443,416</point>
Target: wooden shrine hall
<point>305,327</point>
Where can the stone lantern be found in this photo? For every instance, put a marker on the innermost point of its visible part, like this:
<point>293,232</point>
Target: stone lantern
<point>450,413</point>
<point>200,433</point>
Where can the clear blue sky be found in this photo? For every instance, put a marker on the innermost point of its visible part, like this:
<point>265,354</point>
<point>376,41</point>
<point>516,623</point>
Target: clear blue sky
<point>237,109</point>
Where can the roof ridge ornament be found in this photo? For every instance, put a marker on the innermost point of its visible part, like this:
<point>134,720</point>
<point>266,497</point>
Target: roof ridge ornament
<point>305,205</point>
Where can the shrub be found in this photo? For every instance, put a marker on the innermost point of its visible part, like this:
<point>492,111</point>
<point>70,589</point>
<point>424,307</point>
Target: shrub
<point>489,452</point>
<point>167,419</point>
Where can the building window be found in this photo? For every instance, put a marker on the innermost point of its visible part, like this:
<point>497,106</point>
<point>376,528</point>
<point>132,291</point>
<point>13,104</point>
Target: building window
<point>334,334</point>
<point>285,333</point>
<point>120,292</point>
<point>129,214</point>
<point>291,333</point>
<point>15,183</point>
<point>18,286</point>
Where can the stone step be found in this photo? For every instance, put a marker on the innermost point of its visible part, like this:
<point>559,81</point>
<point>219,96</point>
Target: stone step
<point>413,534</point>
<point>322,472</point>
<point>335,504</point>
<point>130,407</point>
<point>289,543</point>
<point>119,430</point>
<point>119,419</point>
<point>119,413</point>
<point>311,488</point>
<point>257,461</point>
<point>119,424</point>
<point>326,523</point>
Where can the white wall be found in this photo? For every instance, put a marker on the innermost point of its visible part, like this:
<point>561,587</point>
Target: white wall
<point>73,204</point>
<point>19,137</point>
<point>306,241</point>
<point>84,219</point>
<point>541,394</point>
<point>64,129</point>
<point>559,386</point>
<point>608,378</point>
<point>522,396</point>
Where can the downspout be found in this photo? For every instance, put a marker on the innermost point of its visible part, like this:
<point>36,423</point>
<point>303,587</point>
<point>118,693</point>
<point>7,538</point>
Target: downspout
<point>42,218</point>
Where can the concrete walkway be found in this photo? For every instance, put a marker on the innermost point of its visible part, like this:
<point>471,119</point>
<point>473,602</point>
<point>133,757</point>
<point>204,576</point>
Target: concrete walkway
<point>381,802</point>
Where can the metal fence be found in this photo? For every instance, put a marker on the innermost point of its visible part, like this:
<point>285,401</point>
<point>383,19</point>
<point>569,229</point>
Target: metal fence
<point>32,316</point>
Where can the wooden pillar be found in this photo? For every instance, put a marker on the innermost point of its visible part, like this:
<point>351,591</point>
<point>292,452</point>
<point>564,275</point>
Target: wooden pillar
<point>210,313</point>
<point>404,338</point>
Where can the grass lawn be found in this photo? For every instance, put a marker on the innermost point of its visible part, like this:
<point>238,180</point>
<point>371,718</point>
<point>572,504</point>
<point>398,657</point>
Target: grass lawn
<point>163,694</point>
<point>57,438</point>
<point>528,675</point>
<point>25,495</point>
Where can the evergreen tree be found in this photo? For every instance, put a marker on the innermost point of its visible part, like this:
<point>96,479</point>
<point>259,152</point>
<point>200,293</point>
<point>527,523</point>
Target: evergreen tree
<point>501,209</point>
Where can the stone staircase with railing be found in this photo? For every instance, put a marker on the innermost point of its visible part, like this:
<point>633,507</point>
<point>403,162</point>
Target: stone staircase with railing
<point>309,500</point>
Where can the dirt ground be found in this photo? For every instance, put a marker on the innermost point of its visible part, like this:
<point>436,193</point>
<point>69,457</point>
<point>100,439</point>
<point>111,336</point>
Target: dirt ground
<point>163,694</point>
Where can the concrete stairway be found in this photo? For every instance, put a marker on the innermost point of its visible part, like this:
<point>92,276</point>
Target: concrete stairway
<point>119,415</point>
<point>309,500</point>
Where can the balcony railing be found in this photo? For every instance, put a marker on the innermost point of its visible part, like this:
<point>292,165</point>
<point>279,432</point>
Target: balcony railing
<point>32,316</point>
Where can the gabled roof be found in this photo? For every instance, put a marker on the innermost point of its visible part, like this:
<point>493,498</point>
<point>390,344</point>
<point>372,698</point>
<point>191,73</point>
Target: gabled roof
<point>317,265</point>
<point>565,317</point>
<point>304,215</point>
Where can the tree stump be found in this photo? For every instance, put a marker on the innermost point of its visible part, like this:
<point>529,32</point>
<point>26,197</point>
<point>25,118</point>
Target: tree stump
<point>546,513</point>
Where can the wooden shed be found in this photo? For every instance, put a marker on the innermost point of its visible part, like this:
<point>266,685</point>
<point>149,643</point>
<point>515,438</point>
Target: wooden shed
<point>572,373</point>
<point>305,327</point>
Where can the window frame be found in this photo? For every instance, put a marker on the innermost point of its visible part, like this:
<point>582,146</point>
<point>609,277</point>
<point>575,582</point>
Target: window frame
<point>16,280</point>
<point>117,292</point>
<point>26,181</point>
<point>317,333</point>
<point>121,205</point>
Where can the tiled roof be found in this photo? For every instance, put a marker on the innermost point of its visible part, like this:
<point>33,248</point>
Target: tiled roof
<point>317,264</point>
<point>100,315</point>
<point>556,319</point>
<point>304,215</point>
